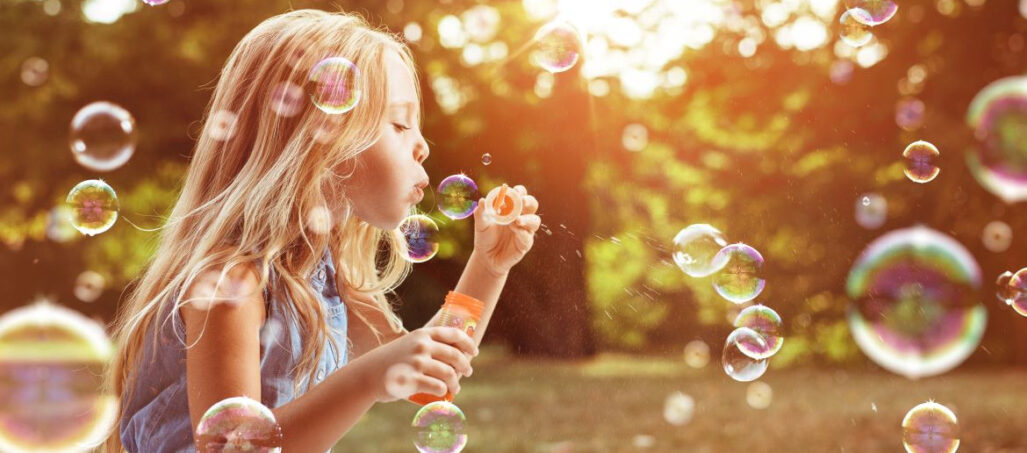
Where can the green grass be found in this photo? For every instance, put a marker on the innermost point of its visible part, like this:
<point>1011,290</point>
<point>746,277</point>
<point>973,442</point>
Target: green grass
<point>601,405</point>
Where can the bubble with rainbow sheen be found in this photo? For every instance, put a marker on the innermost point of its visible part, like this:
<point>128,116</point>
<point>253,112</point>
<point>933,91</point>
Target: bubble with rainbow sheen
<point>94,207</point>
<point>921,162</point>
<point>854,29</point>
<point>239,424</point>
<point>766,322</point>
<point>559,46</point>
<point>930,428</point>
<point>915,309</point>
<point>1017,291</point>
<point>333,85</point>
<point>877,11</point>
<point>439,427</point>
<point>422,237</point>
<point>871,211</point>
<point>739,278</point>
<point>694,249</point>
<point>909,113</point>
<point>998,118</point>
<point>458,196</point>
<point>486,159</point>
<point>738,365</point>
<point>102,136</point>
<point>51,367</point>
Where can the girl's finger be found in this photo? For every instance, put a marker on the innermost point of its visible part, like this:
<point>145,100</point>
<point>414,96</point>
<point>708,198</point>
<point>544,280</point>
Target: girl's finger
<point>430,385</point>
<point>440,371</point>
<point>530,205</point>
<point>453,357</point>
<point>481,221</point>
<point>454,337</point>
<point>529,222</point>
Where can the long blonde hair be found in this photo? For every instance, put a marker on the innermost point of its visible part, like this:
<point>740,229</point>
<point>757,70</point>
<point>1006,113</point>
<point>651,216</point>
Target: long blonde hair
<point>246,199</point>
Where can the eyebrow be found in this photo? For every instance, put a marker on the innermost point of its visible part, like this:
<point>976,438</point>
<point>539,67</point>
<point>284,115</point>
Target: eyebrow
<point>407,107</point>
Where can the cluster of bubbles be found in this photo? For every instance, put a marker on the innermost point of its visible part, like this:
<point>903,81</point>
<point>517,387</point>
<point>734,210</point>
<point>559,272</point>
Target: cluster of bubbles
<point>439,427</point>
<point>51,362</point>
<point>239,424</point>
<point>998,118</point>
<point>457,198</point>
<point>701,250</point>
<point>930,428</point>
<point>559,46</point>
<point>914,307</point>
<point>921,159</point>
<point>861,16</point>
<point>1012,289</point>
<point>871,210</point>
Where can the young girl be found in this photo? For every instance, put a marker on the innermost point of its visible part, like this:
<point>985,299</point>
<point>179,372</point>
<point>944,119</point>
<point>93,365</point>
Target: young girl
<point>251,293</point>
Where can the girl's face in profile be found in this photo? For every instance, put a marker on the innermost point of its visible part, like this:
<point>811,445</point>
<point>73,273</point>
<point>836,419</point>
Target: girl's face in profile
<point>389,177</point>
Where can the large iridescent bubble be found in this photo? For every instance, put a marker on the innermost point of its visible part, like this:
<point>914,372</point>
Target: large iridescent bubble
<point>334,85</point>
<point>915,309</point>
<point>766,322</point>
<point>740,278</point>
<point>102,136</point>
<point>930,428</point>
<point>239,424</point>
<point>422,238</point>
<point>694,249</point>
<point>458,196</point>
<point>737,364</point>
<point>439,427</point>
<point>51,367</point>
<point>559,46</point>
<point>998,118</point>
<point>94,207</point>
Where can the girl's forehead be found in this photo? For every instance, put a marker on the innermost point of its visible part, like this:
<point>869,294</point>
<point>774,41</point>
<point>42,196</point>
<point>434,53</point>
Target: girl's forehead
<point>401,81</point>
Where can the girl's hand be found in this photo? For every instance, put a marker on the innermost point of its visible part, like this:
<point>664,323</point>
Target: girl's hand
<point>502,246</point>
<point>428,360</point>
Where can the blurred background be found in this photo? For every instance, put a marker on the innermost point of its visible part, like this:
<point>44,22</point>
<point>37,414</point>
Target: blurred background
<point>753,116</point>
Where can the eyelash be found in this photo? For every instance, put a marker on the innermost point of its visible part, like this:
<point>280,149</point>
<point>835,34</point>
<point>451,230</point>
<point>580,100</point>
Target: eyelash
<point>400,127</point>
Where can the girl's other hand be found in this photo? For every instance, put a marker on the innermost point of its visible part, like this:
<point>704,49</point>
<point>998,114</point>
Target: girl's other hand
<point>502,246</point>
<point>428,360</point>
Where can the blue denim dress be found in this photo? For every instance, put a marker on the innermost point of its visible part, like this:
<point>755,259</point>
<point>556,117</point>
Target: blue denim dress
<point>155,419</point>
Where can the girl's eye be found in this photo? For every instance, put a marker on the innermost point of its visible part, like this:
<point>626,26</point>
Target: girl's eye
<point>400,128</point>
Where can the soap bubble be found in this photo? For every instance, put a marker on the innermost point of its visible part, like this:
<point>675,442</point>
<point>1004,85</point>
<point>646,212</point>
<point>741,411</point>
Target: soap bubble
<point>286,99</point>
<point>1003,290</point>
<point>909,113</point>
<point>559,46</point>
<point>921,158</point>
<point>103,136</point>
<point>877,12</point>
<point>486,159</point>
<point>503,205</point>
<point>239,424</point>
<point>930,428</point>
<point>914,307</point>
<point>89,286</point>
<point>998,118</point>
<point>94,207</point>
<point>458,196</point>
<point>635,137</point>
<point>738,279</point>
<point>1018,291</point>
<point>422,238</point>
<point>439,427</point>
<point>871,211</point>
<point>694,249</point>
<point>738,365</point>
<point>221,125</point>
<point>697,354</point>
<point>997,236</point>
<point>759,395</point>
<point>51,372</point>
<point>678,408</point>
<point>333,85</point>
<point>854,30</point>
<point>766,322</point>
<point>34,71</point>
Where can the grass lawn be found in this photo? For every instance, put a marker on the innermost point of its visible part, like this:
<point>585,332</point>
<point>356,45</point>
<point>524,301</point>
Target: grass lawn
<point>614,403</point>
